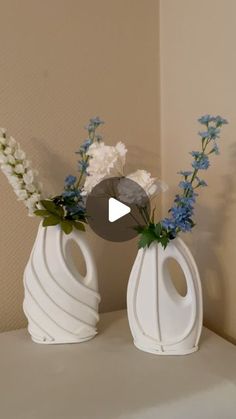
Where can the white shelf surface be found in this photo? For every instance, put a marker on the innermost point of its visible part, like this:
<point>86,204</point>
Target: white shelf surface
<point>108,378</point>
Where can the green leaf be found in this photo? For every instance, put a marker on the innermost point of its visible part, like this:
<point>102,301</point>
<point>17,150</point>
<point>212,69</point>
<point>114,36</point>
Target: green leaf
<point>66,226</point>
<point>52,207</point>
<point>139,229</point>
<point>52,220</point>
<point>79,226</point>
<point>146,238</point>
<point>164,240</point>
<point>42,213</point>
<point>158,229</point>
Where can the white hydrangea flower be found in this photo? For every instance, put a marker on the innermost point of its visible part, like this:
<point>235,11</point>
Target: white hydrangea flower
<point>152,186</point>
<point>91,181</point>
<point>104,162</point>
<point>17,169</point>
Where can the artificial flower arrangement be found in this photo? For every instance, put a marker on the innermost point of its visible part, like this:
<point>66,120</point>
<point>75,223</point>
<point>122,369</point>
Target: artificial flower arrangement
<point>68,208</point>
<point>99,161</point>
<point>181,213</point>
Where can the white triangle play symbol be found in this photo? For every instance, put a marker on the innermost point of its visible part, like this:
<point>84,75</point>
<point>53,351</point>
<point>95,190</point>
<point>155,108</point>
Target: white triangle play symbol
<point>116,210</point>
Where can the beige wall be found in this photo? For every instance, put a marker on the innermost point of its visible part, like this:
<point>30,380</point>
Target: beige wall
<point>198,73</point>
<point>62,62</point>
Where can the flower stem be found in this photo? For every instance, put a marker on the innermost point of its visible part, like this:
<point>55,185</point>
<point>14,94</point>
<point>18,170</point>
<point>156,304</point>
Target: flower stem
<point>91,137</point>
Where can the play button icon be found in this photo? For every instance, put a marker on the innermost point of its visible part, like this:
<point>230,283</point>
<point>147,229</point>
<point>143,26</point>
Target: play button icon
<point>115,207</point>
<point>116,210</point>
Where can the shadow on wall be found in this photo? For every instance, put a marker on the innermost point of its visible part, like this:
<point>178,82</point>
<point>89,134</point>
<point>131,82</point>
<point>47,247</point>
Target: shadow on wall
<point>209,238</point>
<point>141,158</point>
<point>52,167</point>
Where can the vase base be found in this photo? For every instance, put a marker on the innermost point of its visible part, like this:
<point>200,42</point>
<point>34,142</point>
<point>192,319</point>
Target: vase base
<point>61,341</point>
<point>157,351</point>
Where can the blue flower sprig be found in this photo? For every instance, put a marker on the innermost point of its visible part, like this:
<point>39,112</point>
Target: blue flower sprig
<point>182,212</point>
<point>68,209</point>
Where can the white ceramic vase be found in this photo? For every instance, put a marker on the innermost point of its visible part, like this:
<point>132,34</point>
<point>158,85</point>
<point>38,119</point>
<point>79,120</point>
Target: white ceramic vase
<point>161,320</point>
<point>60,304</point>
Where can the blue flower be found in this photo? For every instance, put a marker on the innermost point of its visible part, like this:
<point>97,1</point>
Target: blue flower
<point>185,225</point>
<point>206,119</point>
<point>215,149</point>
<point>83,165</point>
<point>180,213</point>
<point>69,194</point>
<point>185,173</point>
<point>168,224</point>
<point>182,217</point>
<point>184,184</point>
<point>201,182</point>
<point>84,147</point>
<point>220,121</point>
<point>70,180</point>
<point>213,133</point>
<point>203,134</point>
<point>195,154</point>
<point>201,163</point>
<point>78,209</point>
<point>96,121</point>
<point>186,200</point>
<point>93,124</point>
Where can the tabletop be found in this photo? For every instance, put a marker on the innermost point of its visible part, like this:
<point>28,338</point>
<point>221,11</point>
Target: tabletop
<point>108,378</point>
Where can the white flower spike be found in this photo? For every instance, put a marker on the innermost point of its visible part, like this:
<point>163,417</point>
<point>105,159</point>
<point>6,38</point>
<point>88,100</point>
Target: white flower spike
<point>16,168</point>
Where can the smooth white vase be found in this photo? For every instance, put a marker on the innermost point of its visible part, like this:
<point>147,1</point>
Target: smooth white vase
<point>60,304</point>
<point>161,320</point>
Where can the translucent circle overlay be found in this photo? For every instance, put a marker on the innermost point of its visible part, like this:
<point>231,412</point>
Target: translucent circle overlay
<point>127,192</point>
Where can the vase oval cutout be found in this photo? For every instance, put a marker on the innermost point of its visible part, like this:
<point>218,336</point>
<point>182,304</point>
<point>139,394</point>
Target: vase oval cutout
<point>161,320</point>
<point>61,304</point>
<point>177,276</point>
<point>75,259</point>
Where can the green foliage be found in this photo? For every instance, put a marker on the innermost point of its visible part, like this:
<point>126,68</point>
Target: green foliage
<point>153,233</point>
<point>51,220</point>
<point>52,208</point>
<point>78,225</point>
<point>54,214</point>
<point>66,226</point>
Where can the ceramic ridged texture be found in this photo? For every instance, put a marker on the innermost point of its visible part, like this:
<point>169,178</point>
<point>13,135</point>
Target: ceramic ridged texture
<point>60,304</point>
<point>161,320</point>
<point>62,62</point>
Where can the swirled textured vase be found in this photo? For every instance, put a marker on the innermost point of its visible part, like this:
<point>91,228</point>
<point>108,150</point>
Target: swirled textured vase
<point>161,320</point>
<point>60,304</point>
